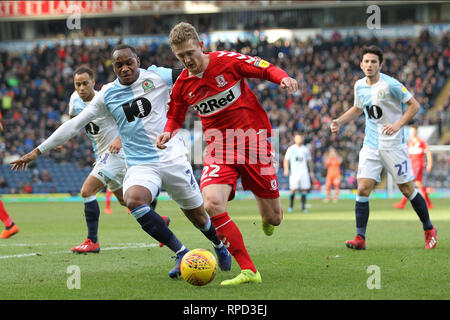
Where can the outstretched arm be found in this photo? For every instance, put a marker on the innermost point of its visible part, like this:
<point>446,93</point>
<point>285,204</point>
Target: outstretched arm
<point>255,67</point>
<point>66,131</point>
<point>289,84</point>
<point>24,160</point>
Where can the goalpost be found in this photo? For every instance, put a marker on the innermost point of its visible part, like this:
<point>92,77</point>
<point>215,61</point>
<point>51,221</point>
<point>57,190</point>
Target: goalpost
<point>438,178</point>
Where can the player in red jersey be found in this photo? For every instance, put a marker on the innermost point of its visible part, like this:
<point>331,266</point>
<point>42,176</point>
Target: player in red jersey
<point>10,227</point>
<point>417,148</point>
<point>213,83</point>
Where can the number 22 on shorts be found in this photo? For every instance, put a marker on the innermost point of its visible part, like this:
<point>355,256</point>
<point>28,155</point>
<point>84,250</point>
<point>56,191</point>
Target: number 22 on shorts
<point>211,174</point>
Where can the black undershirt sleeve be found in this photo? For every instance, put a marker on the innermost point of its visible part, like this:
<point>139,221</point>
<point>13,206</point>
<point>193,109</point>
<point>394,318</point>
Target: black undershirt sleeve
<point>175,74</point>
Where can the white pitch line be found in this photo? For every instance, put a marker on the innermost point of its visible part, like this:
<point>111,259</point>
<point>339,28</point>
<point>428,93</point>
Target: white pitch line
<point>23,255</point>
<point>22,244</point>
<point>19,255</point>
<point>133,247</point>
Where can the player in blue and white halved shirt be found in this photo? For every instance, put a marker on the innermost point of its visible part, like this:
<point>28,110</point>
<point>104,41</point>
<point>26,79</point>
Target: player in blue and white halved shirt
<point>388,106</point>
<point>137,101</point>
<point>109,169</point>
<point>298,166</point>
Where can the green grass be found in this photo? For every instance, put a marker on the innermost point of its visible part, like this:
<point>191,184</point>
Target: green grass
<point>304,259</point>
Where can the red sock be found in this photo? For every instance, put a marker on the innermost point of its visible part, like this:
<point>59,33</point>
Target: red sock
<point>403,201</point>
<point>4,216</point>
<point>231,236</point>
<point>425,195</point>
<point>108,199</point>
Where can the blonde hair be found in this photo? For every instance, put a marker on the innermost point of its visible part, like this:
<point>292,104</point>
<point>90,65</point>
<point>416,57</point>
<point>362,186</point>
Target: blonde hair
<point>183,32</point>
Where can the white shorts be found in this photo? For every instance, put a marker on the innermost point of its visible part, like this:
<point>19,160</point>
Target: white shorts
<point>176,176</point>
<point>300,181</point>
<point>396,162</point>
<point>110,169</point>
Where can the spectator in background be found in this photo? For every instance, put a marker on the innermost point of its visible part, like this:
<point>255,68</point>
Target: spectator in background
<point>28,188</point>
<point>45,176</point>
<point>35,88</point>
<point>3,183</point>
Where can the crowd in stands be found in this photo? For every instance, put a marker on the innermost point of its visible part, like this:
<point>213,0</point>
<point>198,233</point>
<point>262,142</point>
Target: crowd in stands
<point>35,88</point>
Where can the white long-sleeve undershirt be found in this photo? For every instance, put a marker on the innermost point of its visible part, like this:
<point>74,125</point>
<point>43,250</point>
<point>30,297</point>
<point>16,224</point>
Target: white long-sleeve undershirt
<point>67,130</point>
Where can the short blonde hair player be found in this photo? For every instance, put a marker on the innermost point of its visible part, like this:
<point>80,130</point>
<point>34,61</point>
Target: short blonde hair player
<point>213,83</point>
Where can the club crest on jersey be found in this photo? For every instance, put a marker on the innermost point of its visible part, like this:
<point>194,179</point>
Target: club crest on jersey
<point>147,85</point>
<point>404,89</point>
<point>221,82</point>
<point>381,94</point>
<point>273,185</point>
<point>261,63</point>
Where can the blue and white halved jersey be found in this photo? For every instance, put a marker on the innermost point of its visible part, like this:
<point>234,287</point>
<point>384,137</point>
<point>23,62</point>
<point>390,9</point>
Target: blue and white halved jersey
<point>139,110</point>
<point>101,131</point>
<point>298,157</point>
<point>383,103</point>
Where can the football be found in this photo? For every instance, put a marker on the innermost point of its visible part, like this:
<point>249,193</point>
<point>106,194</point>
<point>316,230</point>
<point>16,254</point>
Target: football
<point>198,267</point>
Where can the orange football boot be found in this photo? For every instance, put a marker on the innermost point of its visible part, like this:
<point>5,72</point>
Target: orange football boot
<point>9,232</point>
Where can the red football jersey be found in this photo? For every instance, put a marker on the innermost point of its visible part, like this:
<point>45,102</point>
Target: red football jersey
<point>221,96</point>
<point>416,149</point>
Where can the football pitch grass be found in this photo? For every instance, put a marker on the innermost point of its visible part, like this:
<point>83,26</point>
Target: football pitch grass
<point>305,258</point>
